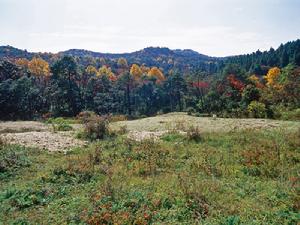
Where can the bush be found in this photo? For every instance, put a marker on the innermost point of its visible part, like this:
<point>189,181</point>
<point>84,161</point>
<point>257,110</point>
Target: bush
<point>85,115</point>
<point>96,127</point>
<point>193,133</point>
<point>257,109</point>
<point>291,115</point>
<point>59,124</point>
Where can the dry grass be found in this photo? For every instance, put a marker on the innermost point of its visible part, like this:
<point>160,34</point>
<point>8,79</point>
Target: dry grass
<point>158,125</point>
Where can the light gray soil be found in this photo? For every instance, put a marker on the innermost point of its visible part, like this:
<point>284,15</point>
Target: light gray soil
<point>36,134</point>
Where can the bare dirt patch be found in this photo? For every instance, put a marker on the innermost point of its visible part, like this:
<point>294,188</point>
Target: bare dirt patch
<point>22,126</point>
<point>36,134</point>
<point>60,141</point>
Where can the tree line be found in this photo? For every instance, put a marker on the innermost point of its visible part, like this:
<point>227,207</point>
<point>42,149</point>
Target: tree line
<point>261,84</point>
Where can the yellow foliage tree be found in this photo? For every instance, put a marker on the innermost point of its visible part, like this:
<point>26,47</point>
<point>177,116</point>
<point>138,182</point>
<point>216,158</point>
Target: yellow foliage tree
<point>155,72</point>
<point>22,62</point>
<point>272,76</point>
<point>105,71</point>
<point>39,67</point>
<point>91,70</point>
<point>136,71</point>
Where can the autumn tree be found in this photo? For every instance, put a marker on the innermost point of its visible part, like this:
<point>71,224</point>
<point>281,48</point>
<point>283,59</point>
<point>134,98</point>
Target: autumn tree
<point>104,71</point>
<point>39,67</point>
<point>136,71</point>
<point>235,83</point>
<point>272,77</point>
<point>155,72</point>
<point>91,70</point>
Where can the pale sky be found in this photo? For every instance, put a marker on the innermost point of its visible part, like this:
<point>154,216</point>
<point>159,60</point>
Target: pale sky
<point>212,27</point>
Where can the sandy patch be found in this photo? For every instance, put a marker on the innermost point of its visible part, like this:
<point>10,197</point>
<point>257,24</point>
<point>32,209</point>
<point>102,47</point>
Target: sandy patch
<point>60,141</point>
<point>22,126</point>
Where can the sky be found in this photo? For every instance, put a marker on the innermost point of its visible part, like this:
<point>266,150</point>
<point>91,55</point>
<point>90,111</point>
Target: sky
<point>211,27</point>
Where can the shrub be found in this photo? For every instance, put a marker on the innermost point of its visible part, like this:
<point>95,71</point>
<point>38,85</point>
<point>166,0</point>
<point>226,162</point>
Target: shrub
<point>96,127</point>
<point>291,115</point>
<point>59,124</point>
<point>84,116</point>
<point>193,133</point>
<point>257,109</point>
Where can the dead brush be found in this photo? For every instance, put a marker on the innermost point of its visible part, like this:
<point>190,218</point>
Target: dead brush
<point>3,141</point>
<point>194,134</point>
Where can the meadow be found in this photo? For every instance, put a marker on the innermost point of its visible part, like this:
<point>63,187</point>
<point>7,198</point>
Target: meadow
<point>187,174</point>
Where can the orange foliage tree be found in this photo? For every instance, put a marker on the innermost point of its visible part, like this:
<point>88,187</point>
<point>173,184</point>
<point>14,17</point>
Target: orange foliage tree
<point>155,72</point>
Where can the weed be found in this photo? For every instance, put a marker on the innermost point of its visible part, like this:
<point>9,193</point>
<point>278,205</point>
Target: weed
<point>12,159</point>
<point>194,134</point>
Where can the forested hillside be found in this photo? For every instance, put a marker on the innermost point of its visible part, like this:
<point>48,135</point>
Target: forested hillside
<point>150,81</point>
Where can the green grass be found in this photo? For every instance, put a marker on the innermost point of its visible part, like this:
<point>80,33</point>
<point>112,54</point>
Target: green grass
<point>245,177</point>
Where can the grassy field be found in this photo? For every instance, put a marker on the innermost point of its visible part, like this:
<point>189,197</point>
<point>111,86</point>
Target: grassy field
<point>227,176</point>
<point>206,124</point>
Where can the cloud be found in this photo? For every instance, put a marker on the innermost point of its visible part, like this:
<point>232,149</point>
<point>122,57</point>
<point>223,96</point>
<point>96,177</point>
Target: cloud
<point>207,40</point>
<point>211,27</point>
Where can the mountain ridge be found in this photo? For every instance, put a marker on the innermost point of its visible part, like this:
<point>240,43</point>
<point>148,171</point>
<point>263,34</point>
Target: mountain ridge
<point>6,49</point>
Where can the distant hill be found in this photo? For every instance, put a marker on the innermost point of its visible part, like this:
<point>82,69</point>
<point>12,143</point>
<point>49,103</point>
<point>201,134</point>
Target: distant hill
<point>146,52</point>
<point>11,52</point>
<point>164,58</point>
<point>167,59</point>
